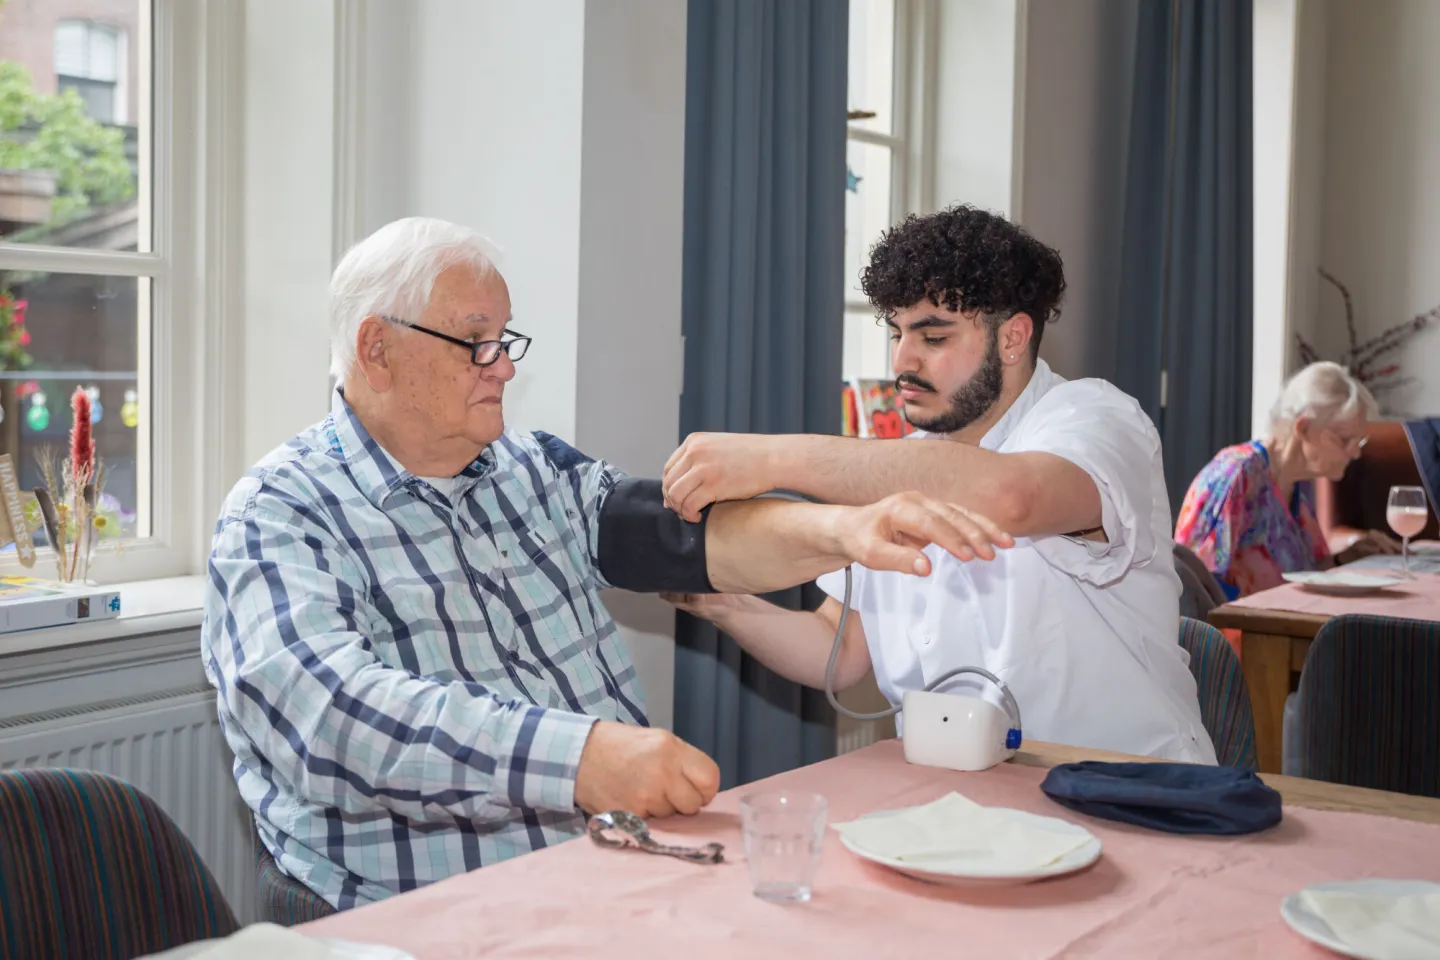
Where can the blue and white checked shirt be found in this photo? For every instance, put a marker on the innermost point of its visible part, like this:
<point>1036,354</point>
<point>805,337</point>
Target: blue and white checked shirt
<point>407,683</point>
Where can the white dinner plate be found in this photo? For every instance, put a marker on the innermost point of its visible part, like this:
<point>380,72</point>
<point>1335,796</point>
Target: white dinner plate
<point>1314,928</point>
<point>959,872</point>
<point>1341,582</point>
<point>338,949</point>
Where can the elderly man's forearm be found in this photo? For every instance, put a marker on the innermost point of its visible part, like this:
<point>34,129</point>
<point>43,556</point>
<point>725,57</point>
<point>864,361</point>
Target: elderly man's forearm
<point>758,546</point>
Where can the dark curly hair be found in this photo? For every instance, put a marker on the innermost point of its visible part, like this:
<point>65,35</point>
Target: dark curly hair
<point>967,260</point>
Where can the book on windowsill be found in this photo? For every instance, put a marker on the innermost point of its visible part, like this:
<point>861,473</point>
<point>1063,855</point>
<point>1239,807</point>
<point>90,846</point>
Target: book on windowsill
<point>29,603</point>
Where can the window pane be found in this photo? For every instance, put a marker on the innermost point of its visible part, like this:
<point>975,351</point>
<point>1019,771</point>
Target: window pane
<point>62,331</point>
<point>867,347</point>
<point>867,209</point>
<point>872,62</point>
<point>73,136</point>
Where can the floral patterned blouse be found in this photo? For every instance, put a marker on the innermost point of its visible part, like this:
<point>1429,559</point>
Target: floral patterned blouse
<point>1235,521</point>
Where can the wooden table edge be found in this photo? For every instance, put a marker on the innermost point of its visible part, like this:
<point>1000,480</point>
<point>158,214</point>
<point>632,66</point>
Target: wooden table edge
<point>1289,623</point>
<point>1295,791</point>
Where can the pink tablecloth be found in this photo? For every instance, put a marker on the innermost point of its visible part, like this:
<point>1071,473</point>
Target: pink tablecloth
<point>1418,599</point>
<point>1150,895</point>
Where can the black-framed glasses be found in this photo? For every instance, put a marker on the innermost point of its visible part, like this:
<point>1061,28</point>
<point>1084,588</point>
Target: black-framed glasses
<point>482,353</point>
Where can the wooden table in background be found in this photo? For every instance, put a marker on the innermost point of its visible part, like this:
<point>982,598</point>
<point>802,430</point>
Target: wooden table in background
<point>1296,791</point>
<point>1273,644</point>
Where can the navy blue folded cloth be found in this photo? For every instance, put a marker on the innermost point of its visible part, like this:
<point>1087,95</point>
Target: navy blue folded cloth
<point>1174,797</point>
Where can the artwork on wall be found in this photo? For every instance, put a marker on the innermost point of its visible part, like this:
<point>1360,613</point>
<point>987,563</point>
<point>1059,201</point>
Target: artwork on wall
<point>870,410</point>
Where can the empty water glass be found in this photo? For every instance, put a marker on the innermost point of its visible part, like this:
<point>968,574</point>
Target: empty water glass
<point>784,834</point>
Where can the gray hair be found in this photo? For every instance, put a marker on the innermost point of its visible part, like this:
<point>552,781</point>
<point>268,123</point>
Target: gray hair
<point>1322,392</point>
<point>391,273</point>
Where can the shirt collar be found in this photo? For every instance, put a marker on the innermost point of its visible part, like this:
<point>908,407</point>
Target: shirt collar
<point>1041,382</point>
<point>379,475</point>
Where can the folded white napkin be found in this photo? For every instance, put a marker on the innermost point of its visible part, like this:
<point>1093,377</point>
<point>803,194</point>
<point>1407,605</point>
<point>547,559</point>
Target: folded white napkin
<point>267,941</point>
<point>1386,928</point>
<point>956,832</point>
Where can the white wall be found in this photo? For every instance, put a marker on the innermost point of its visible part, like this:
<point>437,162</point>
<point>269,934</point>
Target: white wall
<point>495,143</point>
<point>1382,176</point>
<point>289,92</point>
<point>632,191</point>
<point>1276,30</point>
<point>1305,291</point>
<point>557,129</point>
<point>975,103</point>
<point>1071,169</point>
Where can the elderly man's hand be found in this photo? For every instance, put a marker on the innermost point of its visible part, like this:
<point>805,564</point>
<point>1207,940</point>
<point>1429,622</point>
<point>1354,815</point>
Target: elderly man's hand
<point>645,770</point>
<point>712,467</point>
<point>890,534</point>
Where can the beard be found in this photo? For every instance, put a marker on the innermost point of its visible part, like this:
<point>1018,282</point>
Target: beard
<point>974,398</point>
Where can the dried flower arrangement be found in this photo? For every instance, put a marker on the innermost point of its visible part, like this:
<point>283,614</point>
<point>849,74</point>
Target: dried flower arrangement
<point>68,500</point>
<point>1363,359</point>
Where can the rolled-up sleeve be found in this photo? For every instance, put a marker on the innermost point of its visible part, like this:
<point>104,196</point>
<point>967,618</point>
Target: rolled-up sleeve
<point>286,646</point>
<point>1105,433</point>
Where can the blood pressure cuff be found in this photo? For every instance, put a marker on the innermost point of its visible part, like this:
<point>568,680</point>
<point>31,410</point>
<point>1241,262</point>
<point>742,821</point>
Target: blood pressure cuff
<point>1173,797</point>
<point>646,547</point>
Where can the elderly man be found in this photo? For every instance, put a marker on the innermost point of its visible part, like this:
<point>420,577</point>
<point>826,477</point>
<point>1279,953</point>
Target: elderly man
<point>415,671</point>
<point>1081,618</point>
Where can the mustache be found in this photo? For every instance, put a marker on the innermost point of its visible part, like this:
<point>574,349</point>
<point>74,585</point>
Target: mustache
<point>909,379</point>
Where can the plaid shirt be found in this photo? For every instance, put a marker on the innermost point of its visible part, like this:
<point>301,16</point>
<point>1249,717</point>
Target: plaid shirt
<point>406,682</point>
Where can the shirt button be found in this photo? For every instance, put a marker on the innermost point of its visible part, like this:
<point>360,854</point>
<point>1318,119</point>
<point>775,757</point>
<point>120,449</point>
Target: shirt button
<point>927,639</point>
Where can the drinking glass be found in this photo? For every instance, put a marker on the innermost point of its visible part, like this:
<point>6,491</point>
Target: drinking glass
<point>784,834</point>
<point>1407,514</point>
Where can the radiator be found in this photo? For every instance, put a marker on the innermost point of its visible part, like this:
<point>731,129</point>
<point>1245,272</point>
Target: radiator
<point>171,748</point>
<point>850,734</point>
<point>859,733</point>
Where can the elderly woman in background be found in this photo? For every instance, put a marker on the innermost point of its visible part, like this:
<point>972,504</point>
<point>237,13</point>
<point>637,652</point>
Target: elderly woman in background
<point>1250,514</point>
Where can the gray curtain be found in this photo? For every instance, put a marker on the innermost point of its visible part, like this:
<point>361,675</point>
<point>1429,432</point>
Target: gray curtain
<point>1187,260</point>
<point>763,301</point>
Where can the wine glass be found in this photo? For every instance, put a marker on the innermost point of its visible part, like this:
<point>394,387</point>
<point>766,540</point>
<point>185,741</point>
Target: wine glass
<point>1407,514</point>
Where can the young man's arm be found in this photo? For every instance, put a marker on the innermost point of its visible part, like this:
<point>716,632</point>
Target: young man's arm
<point>758,546</point>
<point>1026,494</point>
<point>794,643</point>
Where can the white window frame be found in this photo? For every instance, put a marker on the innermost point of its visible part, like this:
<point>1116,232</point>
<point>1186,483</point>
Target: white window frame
<point>912,168</point>
<point>187,355</point>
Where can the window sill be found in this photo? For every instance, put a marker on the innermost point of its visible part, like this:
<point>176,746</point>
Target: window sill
<point>147,606</point>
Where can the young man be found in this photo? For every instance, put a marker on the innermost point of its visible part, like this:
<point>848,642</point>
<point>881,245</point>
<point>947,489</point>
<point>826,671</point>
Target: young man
<point>1081,617</point>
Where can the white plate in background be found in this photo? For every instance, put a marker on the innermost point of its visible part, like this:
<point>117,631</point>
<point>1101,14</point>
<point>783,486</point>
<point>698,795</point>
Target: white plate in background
<point>1341,582</point>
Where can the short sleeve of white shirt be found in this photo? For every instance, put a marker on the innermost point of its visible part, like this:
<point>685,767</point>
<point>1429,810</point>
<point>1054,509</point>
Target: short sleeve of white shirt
<point>834,586</point>
<point>1105,433</point>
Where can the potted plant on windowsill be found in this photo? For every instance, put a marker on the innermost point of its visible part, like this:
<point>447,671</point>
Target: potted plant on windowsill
<point>68,503</point>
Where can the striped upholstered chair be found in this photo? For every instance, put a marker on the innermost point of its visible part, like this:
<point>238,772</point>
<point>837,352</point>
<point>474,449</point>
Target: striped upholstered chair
<point>284,900</point>
<point>91,867</point>
<point>1369,705</point>
<point>1224,698</point>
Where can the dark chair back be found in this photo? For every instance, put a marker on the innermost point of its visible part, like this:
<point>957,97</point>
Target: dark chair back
<point>1369,705</point>
<point>91,867</point>
<point>1200,591</point>
<point>283,899</point>
<point>1224,698</point>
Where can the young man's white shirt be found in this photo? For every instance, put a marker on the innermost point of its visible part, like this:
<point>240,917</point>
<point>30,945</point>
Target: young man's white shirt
<point>1085,634</point>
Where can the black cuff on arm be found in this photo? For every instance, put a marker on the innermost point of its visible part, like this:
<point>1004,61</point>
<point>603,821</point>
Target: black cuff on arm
<point>646,547</point>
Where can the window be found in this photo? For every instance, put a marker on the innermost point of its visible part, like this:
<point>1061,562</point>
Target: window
<point>887,144</point>
<point>102,281</point>
<point>89,59</point>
